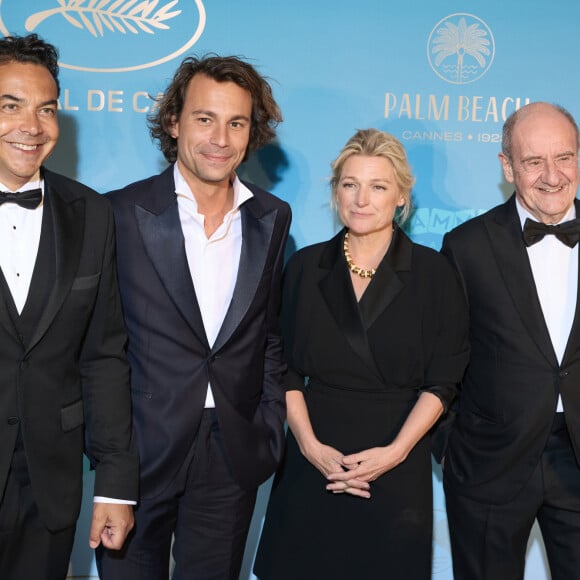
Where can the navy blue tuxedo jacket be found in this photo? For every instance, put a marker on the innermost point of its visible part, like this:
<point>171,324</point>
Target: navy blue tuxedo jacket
<point>171,360</point>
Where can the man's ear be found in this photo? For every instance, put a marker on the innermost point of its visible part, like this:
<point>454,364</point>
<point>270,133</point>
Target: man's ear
<point>174,127</point>
<point>506,165</point>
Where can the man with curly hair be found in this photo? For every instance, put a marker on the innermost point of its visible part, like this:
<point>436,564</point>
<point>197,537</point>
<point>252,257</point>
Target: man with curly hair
<point>200,256</point>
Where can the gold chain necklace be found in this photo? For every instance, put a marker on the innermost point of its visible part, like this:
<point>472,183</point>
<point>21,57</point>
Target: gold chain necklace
<point>352,266</point>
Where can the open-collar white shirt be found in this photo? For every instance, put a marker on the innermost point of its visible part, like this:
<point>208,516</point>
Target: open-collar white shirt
<point>214,261</point>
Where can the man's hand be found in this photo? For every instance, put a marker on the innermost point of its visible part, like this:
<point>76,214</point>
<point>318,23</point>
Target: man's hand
<point>111,524</point>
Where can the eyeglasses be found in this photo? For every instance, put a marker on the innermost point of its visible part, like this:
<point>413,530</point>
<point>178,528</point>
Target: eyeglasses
<point>538,164</point>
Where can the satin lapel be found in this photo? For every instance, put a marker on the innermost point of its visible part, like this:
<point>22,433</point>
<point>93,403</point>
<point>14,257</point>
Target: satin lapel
<point>5,317</point>
<point>68,219</point>
<point>165,246</point>
<point>386,283</point>
<point>336,289</point>
<point>505,235</point>
<point>256,239</point>
<point>574,338</point>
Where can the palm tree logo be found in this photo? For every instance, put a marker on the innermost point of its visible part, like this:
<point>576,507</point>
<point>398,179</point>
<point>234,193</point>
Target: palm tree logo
<point>460,48</point>
<point>110,36</point>
<point>101,16</point>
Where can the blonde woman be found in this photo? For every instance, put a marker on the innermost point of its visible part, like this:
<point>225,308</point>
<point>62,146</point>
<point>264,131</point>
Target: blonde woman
<point>375,331</point>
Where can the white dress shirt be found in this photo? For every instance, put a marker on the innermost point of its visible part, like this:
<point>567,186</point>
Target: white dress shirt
<point>20,238</point>
<point>555,270</point>
<point>214,261</point>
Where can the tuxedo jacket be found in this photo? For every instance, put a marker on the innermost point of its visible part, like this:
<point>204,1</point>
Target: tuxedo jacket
<point>171,359</point>
<point>64,376</point>
<point>509,393</point>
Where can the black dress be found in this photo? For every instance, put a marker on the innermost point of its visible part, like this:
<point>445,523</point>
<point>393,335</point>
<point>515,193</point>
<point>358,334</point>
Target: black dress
<point>364,365</point>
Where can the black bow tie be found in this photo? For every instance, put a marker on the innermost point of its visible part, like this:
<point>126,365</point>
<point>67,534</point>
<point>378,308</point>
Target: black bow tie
<point>29,199</point>
<point>568,232</point>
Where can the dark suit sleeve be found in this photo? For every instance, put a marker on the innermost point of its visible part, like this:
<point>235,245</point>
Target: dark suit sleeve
<point>272,403</point>
<point>105,384</point>
<point>293,379</point>
<point>447,251</point>
<point>451,350</point>
<point>445,425</point>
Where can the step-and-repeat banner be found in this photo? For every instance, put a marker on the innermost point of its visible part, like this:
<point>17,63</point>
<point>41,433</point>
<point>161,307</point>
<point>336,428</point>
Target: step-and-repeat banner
<point>441,76</point>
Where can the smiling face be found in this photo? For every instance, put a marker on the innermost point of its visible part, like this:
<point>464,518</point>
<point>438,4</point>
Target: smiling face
<point>367,195</point>
<point>544,162</point>
<point>28,123</point>
<point>212,131</point>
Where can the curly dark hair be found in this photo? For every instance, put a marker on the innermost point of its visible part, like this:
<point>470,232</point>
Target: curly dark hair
<point>265,112</point>
<point>30,49</point>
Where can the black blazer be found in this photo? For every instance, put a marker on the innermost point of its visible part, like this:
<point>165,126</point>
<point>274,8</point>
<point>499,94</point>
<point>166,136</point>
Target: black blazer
<point>71,375</point>
<point>407,333</point>
<point>170,357</point>
<point>509,393</point>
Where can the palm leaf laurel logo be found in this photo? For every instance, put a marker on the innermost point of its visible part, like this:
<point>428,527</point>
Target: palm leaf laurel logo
<point>98,16</point>
<point>471,44</point>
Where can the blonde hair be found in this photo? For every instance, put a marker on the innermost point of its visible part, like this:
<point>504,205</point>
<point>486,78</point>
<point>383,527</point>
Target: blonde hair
<point>375,143</point>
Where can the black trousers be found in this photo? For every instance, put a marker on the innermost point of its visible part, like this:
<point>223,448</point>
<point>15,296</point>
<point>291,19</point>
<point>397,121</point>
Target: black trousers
<point>488,542</point>
<point>28,550</point>
<point>205,512</point>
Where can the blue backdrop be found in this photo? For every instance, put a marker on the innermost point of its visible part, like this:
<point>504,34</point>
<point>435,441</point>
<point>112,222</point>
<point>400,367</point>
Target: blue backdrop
<point>441,76</point>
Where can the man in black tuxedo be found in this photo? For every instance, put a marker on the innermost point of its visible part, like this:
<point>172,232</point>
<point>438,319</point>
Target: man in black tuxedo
<point>200,255</point>
<point>514,450</point>
<point>64,376</point>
